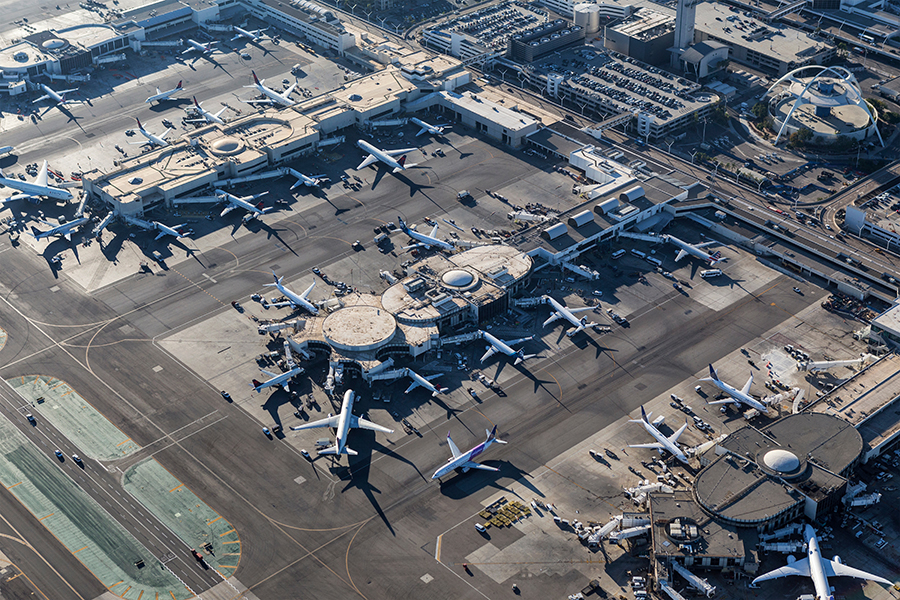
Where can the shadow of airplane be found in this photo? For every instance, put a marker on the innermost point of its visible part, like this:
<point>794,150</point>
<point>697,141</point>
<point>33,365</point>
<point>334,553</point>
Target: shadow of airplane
<point>358,472</point>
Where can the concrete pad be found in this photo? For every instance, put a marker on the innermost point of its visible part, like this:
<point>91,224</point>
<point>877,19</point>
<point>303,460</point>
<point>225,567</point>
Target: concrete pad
<point>191,519</point>
<point>2,338</point>
<point>74,416</point>
<point>98,541</point>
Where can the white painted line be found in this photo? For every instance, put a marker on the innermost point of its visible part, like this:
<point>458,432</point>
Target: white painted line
<point>209,278</point>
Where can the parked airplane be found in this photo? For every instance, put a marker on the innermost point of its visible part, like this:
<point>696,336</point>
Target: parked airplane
<point>385,156</point>
<point>663,442</point>
<point>160,96</point>
<point>497,345</point>
<point>561,312</point>
<point>424,241</point>
<point>197,46</point>
<point>6,150</point>
<point>426,128</point>
<point>342,422</point>
<point>425,382</point>
<point>253,36</point>
<point>244,202</point>
<point>64,230</point>
<point>58,97</point>
<point>273,97</point>
<point>308,181</point>
<point>293,299</point>
<point>165,230</point>
<point>738,396</point>
<point>695,250</point>
<point>208,116</point>
<point>463,460</point>
<point>152,139</point>
<point>819,569</point>
<point>283,380</point>
<point>40,188</point>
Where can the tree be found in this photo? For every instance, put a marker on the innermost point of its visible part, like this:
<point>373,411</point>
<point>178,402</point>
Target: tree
<point>759,110</point>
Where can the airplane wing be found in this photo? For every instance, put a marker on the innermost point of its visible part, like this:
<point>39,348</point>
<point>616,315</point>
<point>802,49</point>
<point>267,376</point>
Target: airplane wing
<point>433,233</point>
<point>368,161</point>
<point>674,437</point>
<point>421,131</point>
<point>518,341</point>
<point>61,92</point>
<point>166,134</point>
<point>359,423</point>
<point>681,254</point>
<point>654,446</point>
<point>746,388</point>
<point>216,115</point>
<point>328,422</point>
<point>474,465</point>
<point>705,244</point>
<point>490,352</point>
<point>454,450</point>
<point>44,97</point>
<point>227,210</point>
<point>413,386</point>
<point>799,568</point>
<point>836,569</point>
<point>264,101</point>
<point>553,317</point>
<point>290,90</point>
<point>725,401</point>
<point>305,294</point>
<point>398,152</point>
<point>578,310</point>
<point>42,175</point>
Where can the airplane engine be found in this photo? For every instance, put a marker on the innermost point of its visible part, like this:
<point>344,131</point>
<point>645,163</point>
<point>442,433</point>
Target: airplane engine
<point>465,469</point>
<point>791,560</point>
<point>837,559</point>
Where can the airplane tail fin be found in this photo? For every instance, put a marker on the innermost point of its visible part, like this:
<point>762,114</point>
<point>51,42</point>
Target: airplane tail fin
<point>520,358</point>
<point>34,232</point>
<point>178,87</point>
<point>492,436</point>
<point>255,78</point>
<point>402,160</point>
<point>197,104</point>
<point>332,450</point>
<point>712,374</point>
<point>139,123</point>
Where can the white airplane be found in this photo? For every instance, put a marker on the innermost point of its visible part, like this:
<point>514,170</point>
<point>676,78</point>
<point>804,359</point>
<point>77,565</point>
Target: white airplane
<point>425,382</point>
<point>253,36</point>
<point>235,202</point>
<point>385,156</point>
<point>273,97</point>
<point>497,345</point>
<point>426,128</point>
<point>308,181</point>
<point>64,230</point>
<point>197,46</point>
<point>424,241</point>
<point>40,188</point>
<point>282,380</point>
<point>208,116</point>
<point>662,442</point>
<point>293,299</point>
<point>6,150</point>
<point>561,312</point>
<point>819,569</point>
<point>58,97</point>
<point>153,140</point>
<point>738,396</point>
<point>342,423</point>
<point>165,230</point>
<point>695,250</point>
<point>463,460</point>
<point>160,96</point>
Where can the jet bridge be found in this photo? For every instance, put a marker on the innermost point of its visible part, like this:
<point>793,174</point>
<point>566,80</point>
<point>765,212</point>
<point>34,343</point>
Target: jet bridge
<point>816,366</point>
<point>698,583</point>
<point>589,274</point>
<point>654,239</point>
<point>781,533</point>
<point>387,123</point>
<point>460,339</point>
<point>255,177</point>
<point>670,591</point>
<point>528,302</point>
<point>783,547</point>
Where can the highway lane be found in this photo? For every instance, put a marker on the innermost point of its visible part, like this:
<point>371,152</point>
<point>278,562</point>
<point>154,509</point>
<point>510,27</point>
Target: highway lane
<point>103,486</point>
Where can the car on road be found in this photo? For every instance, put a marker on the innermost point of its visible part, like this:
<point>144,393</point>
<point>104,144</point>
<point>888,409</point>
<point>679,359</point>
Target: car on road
<point>597,293</point>
<point>796,289</point>
<point>267,431</point>
<point>226,395</point>
<point>77,460</point>
<point>237,306</point>
<point>357,245</point>
<point>305,454</point>
<point>31,419</point>
<point>59,455</point>
<point>480,528</point>
<point>245,56</point>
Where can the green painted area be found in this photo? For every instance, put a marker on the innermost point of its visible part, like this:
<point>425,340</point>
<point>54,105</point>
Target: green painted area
<point>2,338</point>
<point>99,542</point>
<point>55,401</point>
<point>184,513</point>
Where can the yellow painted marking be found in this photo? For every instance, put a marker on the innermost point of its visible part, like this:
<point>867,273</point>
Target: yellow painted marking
<point>157,595</point>
<point>23,380</point>
<point>47,517</point>
<point>69,392</point>
<point>214,520</point>
<point>125,442</point>
<point>115,584</point>
<point>13,577</point>
<point>126,591</point>
<point>61,383</point>
<point>173,595</point>
<point>437,552</point>
<point>83,548</point>
<point>227,532</point>
<point>234,542</point>
<point>141,594</point>
<point>14,485</point>
<point>229,566</point>
<point>176,488</point>
<point>232,554</point>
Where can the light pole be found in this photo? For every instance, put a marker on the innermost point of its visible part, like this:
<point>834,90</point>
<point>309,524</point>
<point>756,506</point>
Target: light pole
<point>692,155</point>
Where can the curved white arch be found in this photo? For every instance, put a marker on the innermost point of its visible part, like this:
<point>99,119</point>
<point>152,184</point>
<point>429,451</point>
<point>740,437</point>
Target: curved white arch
<point>846,77</point>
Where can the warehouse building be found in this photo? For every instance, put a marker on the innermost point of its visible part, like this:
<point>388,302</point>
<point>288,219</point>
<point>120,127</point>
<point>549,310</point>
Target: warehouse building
<point>543,39</point>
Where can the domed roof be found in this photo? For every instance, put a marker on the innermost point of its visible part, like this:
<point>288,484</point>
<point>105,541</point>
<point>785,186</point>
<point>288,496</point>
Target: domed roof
<point>781,460</point>
<point>227,146</point>
<point>54,44</point>
<point>457,278</point>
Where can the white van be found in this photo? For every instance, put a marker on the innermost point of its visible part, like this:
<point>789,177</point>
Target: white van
<point>618,254</point>
<point>638,253</point>
<point>710,273</point>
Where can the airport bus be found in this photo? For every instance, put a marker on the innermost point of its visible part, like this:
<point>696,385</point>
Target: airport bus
<point>654,261</point>
<point>618,254</point>
<point>710,273</point>
<point>867,38</point>
<point>638,253</point>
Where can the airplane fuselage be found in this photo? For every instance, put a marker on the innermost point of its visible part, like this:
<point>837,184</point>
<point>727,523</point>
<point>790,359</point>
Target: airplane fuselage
<point>273,95</point>
<point>816,570</point>
<point>740,396</point>
<point>296,299</point>
<point>435,391</point>
<point>565,313</point>
<point>690,249</point>
<point>377,153</point>
<point>427,127</point>
<point>198,47</point>
<point>455,463</point>
<point>153,139</point>
<point>343,428</point>
<point>425,240</point>
<point>672,448</point>
<point>63,229</point>
<point>498,344</point>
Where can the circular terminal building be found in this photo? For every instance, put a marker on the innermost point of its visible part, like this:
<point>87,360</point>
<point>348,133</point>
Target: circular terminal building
<point>826,100</point>
<point>766,478</point>
<point>436,297</point>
